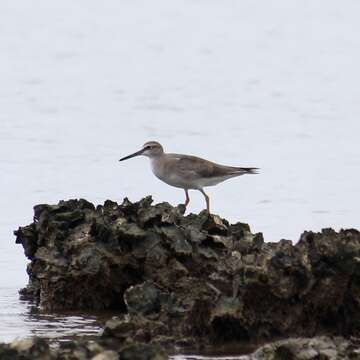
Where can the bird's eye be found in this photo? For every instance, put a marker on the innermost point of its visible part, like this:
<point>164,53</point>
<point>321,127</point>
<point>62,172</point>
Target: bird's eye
<point>148,147</point>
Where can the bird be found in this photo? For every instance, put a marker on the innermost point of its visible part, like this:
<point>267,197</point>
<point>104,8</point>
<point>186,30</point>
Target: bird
<point>186,171</point>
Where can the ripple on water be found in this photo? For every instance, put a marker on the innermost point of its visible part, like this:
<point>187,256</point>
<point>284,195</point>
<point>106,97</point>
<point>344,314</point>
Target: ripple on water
<point>19,319</point>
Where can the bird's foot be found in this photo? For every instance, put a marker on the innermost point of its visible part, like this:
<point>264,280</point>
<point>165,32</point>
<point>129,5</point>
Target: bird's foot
<point>205,213</point>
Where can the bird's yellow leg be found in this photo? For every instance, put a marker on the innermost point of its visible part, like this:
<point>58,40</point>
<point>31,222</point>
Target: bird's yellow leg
<point>207,199</point>
<point>187,200</point>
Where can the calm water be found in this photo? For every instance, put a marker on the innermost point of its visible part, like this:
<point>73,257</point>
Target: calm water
<point>249,83</point>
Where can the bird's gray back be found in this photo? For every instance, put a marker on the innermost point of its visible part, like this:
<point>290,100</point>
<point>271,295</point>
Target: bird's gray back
<point>193,166</point>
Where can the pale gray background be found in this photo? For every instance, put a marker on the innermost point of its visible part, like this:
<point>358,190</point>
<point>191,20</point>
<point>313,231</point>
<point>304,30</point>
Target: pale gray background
<point>273,84</point>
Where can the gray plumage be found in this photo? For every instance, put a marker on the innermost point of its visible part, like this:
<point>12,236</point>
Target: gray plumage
<point>186,171</point>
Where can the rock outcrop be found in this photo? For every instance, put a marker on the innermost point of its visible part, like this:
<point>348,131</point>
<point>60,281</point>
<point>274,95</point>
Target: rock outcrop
<point>190,280</point>
<point>39,349</point>
<point>317,348</point>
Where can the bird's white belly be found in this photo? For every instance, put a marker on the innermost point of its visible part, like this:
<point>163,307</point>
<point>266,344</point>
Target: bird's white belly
<point>173,180</point>
<point>169,178</point>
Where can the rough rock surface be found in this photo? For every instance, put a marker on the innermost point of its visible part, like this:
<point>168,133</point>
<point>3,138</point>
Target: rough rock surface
<point>39,349</point>
<point>317,348</point>
<point>186,280</point>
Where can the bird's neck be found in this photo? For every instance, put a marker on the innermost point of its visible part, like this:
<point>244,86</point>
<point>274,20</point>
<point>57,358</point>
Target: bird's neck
<point>157,157</point>
<point>157,163</point>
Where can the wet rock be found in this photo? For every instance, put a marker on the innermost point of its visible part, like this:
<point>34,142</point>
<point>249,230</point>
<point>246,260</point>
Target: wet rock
<point>136,327</point>
<point>29,240</point>
<point>214,225</point>
<point>39,349</point>
<point>106,355</point>
<point>226,321</point>
<point>143,299</point>
<point>159,214</point>
<point>317,348</point>
<point>192,279</point>
<point>142,352</point>
<point>119,328</point>
<point>27,349</point>
<point>177,240</point>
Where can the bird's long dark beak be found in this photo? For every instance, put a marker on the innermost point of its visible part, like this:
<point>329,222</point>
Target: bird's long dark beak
<point>132,155</point>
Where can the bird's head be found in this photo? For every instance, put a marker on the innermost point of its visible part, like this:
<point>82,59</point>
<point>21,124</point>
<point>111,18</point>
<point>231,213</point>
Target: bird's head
<point>150,149</point>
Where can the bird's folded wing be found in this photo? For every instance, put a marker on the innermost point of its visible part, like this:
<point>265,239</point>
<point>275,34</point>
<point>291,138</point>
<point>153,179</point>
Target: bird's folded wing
<point>192,165</point>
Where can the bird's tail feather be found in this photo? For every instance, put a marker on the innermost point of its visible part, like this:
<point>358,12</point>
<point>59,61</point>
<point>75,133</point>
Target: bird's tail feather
<point>246,170</point>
